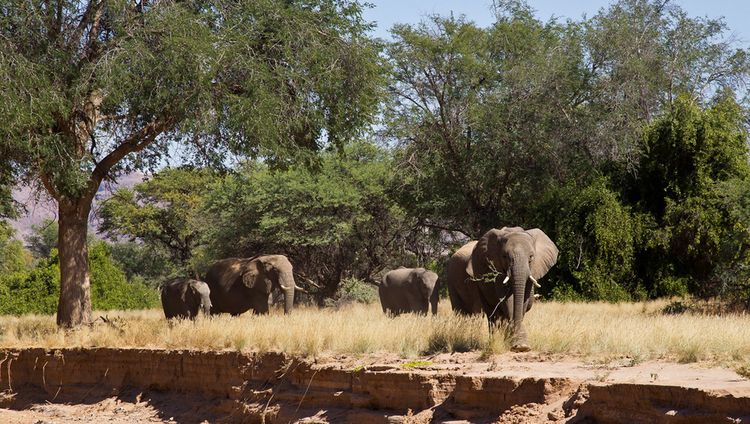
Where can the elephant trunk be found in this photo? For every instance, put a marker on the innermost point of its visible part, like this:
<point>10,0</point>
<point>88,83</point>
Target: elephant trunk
<point>287,285</point>
<point>520,276</point>
<point>206,306</point>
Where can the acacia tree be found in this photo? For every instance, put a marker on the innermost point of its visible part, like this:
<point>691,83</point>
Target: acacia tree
<point>95,88</point>
<point>335,222</point>
<point>165,212</point>
<point>481,115</point>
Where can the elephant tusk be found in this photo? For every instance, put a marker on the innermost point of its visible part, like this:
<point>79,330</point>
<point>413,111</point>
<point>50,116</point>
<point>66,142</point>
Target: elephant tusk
<point>300,289</point>
<point>533,280</point>
<point>507,277</point>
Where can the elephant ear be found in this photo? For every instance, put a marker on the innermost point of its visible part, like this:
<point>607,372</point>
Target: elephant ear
<point>416,275</point>
<point>545,255</point>
<point>183,292</point>
<point>251,273</point>
<point>477,264</point>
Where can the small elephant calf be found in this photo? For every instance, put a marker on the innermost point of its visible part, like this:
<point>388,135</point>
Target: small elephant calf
<point>184,297</point>
<point>406,290</point>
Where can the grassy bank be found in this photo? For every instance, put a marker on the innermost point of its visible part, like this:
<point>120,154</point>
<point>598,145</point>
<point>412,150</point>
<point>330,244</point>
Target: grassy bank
<point>587,330</point>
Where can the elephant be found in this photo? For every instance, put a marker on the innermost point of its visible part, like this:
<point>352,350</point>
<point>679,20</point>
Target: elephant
<point>463,293</point>
<point>240,284</point>
<point>406,290</point>
<point>520,258</point>
<point>184,298</point>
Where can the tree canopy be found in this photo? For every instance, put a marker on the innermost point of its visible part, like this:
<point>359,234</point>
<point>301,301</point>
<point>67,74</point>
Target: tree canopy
<point>624,136</point>
<point>165,211</point>
<point>105,87</point>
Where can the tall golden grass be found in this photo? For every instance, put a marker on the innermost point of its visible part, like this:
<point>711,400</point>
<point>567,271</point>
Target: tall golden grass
<point>587,330</point>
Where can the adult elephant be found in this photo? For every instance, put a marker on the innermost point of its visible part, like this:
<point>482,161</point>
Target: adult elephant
<point>504,265</point>
<point>462,291</point>
<point>240,284</point>
<point>184,298</point>
<point>406,290</point>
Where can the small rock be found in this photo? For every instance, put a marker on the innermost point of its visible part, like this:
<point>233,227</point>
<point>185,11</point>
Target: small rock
<point>555,415</point>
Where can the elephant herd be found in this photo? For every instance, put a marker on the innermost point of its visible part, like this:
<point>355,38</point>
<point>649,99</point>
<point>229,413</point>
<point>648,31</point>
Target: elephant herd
<point>497,275</point>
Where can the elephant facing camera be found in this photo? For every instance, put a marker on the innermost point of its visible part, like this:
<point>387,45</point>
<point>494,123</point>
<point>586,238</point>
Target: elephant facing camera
<point>498,275</point>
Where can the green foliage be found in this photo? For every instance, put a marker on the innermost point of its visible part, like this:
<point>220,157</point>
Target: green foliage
<point>220,74</point>
<point>164,212</point>
<point>94,89</point>
<point>43,238</point>
<point>476,148</point>
<point>143,261</point>
<point>617,135</point>
<point>690,148</point>
<point>38,290</point>
<point>353,290</point>
<point>109,287</point>
<point>334,222</point>
<point>13,256</point>
<point>34,291</point>
<point>596,234</point>
<point>693,178</point>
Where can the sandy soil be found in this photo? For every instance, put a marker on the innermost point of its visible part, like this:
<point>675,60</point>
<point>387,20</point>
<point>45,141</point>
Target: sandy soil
<point>165,407</point>
<point>127,407</point>
<point>698,375</point>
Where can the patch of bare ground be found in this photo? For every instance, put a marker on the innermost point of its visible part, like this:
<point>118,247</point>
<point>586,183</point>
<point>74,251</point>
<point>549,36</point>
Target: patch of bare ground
<point>149,385</point>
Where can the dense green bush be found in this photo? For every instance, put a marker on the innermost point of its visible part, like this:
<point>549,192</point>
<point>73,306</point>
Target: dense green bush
<point>144,261</point>
<point>109,287</point>
<point>38,290</point>
<point>693,187</point>
<point>35,291</point>
<point>596,237</point>
<point>353,290</point>
<point>13,256</point>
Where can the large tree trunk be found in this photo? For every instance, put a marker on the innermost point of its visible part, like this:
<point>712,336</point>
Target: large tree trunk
<point>74,307</point>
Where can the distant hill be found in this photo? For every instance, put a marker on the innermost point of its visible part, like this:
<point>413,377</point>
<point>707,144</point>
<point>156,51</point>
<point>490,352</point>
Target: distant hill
<point>40,206</point>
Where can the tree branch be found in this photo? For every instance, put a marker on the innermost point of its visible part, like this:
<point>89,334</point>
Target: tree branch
<point>134,143</point>
<point>444,228</point>
<point>47,183</point>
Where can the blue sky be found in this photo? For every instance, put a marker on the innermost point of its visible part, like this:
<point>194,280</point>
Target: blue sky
<point>388,12</point>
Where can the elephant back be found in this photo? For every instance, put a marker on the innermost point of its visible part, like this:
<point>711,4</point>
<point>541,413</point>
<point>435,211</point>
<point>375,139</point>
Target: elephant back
<point>223,274</point>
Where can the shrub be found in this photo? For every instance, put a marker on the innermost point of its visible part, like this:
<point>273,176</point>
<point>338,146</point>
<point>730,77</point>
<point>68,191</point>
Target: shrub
<point>109,287</point>
<point>38,290</point>
<point>353,290</point>
<point>35,291</point>
<point>595,233</point>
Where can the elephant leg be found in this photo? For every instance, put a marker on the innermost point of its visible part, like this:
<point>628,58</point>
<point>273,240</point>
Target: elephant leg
<point>456,303</point>
<point>423,306</point>
<point>260,305</point>
<point>492,310</point>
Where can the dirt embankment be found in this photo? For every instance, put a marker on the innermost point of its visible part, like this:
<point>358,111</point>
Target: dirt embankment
<point>136,385</point>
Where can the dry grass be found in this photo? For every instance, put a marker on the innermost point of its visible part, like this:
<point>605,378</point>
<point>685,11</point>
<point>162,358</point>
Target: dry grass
<point>587,330</point>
